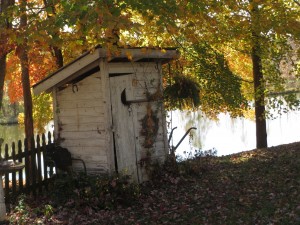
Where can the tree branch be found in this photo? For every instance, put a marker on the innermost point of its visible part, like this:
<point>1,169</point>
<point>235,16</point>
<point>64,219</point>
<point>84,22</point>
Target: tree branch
<point>280,93</point>
<point>297,2</point>
<point>246,81</point>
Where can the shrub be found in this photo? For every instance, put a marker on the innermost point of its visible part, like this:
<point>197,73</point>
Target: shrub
<point>97,191</point>
<point>197,163</point>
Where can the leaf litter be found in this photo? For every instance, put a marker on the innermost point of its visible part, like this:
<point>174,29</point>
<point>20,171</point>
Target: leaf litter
<point>260,186</point>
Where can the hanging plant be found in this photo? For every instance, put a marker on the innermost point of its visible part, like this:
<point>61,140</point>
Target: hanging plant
<point>184,91</point>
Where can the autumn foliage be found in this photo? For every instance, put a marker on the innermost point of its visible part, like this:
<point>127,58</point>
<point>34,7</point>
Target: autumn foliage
<point>41,63</point>
<point>215,38</point>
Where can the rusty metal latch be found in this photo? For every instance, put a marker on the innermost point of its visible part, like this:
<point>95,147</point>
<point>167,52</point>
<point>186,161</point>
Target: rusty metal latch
<point>127,102</point>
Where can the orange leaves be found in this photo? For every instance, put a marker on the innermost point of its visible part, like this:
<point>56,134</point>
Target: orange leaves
<point>14,77</point>
<point>129,56</point>
<point>15,92</point>
<point>41,63</point>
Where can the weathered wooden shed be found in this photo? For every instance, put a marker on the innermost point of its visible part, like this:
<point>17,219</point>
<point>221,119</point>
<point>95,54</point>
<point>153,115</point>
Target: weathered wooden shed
<point>108,108</point>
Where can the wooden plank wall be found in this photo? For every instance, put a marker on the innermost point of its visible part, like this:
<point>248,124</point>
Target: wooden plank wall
<point>83,120</point>
<point>80,115</point>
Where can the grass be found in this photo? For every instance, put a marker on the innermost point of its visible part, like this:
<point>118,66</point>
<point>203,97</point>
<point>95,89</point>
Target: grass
<point>255,187</point>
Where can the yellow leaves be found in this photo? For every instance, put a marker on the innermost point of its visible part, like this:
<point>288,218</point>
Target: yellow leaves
<point>163,50</point>
<point>172,29</point>
<point>42,111</point>
<point>129,55</point>
<point>144,50</point>
<point>249,114</point>
<point>21,118</point>
<point>250,7</point>
<point>253,4</point>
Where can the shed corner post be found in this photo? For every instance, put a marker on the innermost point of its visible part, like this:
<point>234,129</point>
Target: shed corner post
<point>55,112</point>
<point>109,145</point>
<point>164,116</point>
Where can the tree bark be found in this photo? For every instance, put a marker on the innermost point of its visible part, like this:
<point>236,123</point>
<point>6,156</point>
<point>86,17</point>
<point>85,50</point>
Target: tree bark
<point>28,120</point>
<point>58,56</point>
<point>261,127</point>
<point>259,84</point>
<point>2,77</point>
<point>22,50</point>
<point>3,48</point>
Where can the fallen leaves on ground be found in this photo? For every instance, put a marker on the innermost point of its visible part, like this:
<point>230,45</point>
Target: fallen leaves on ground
<point>255,187</point>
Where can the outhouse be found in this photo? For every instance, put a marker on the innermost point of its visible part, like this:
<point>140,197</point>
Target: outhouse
<point>108,108</point>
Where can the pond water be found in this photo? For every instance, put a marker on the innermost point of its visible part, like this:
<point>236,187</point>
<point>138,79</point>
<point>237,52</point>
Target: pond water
<point>13,133</point>
<point>228,135</point>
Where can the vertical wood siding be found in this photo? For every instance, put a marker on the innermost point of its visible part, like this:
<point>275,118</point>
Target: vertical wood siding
<point>145,79</point>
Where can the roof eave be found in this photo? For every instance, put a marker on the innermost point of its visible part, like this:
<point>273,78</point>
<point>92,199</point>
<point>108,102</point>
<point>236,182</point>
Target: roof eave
<point>90,59</point>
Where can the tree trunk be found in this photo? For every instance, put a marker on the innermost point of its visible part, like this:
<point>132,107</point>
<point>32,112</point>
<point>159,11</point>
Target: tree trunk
<point>58,56</point>
<point>4,24</point>
<point>28,120</point>
<point>22,50</point>
<point>259,84</point>
<point>2,77</point>
<point>261,127</point>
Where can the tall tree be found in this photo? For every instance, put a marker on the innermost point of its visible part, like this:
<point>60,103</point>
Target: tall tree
<point>63,28</point>
<point>226,45</point>
<point>2,77</point>
<point>255,32</point>
<point>258,77</point>
<point>22,51</point>
<point>5,25</point>
<point>269,44</point>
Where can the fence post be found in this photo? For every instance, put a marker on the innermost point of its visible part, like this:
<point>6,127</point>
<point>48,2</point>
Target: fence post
<point>33,166</point>
<point>13,175</point>
<point>44,158</point>
<point>20,159</point>
<point>39,162</point>
<point>7,197</point>
<point>27,167</point>
<point>49,143</point>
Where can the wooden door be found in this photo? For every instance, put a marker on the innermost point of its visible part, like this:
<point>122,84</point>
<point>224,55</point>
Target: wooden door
<point>123,128</point>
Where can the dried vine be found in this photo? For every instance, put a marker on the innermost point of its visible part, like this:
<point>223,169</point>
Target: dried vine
<point>149,127</point>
